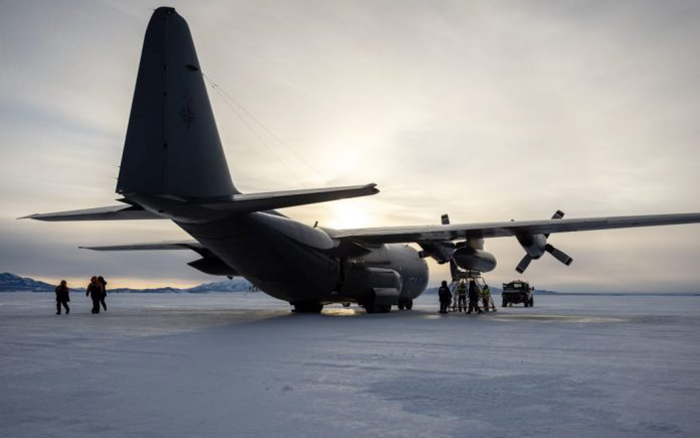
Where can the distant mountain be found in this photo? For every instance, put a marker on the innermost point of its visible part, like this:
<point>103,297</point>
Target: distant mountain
<point>14,283</point>
<point>236,284</point>
<point>158,290</point>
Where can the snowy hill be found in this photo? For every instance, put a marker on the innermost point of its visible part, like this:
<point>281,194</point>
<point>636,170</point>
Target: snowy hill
<point>158,290</point>
<point>234,285</point>
<point>14,283</point>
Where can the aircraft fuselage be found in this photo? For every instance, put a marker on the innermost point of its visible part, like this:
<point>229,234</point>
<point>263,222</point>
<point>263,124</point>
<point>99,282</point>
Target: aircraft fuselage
<point>301,264</point>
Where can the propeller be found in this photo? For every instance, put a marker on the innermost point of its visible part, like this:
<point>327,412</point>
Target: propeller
<point>536,245</point>
<point>558,254</point>
<point>524,263</point>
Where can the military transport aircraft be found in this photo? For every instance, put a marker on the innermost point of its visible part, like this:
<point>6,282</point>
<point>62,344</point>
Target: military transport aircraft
<point>173,167</point>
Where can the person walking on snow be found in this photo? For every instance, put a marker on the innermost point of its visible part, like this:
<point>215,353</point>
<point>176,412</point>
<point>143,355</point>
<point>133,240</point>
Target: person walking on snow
<point>103,283</point>
<point>62,297</point>
<point>94,291</point>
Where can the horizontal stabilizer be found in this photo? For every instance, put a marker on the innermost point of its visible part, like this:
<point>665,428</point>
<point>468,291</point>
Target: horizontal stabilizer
<point>209,263</point>
<point>189,244</point>
<point>115,212</point>
<point>247,203</point>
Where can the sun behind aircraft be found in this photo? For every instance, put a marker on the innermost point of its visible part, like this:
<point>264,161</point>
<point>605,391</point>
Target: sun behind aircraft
<point>173,167</point>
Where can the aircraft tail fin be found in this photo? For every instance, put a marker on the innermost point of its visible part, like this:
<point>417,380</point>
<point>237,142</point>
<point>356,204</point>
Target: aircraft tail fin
<point>172,144</point>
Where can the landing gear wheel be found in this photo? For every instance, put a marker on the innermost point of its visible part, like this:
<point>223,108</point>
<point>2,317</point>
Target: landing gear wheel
<point>409,304</point>
<point>378,309</point>
<point>401,305</point>
<point>308,307</point>
<point>346,304</point>
<point>505,303</point>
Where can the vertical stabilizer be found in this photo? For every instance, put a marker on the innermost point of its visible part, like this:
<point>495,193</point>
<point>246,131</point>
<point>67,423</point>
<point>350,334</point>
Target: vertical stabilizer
<point>172,145</point>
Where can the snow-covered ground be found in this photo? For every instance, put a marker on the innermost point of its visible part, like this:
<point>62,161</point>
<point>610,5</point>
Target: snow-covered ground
<point>235,365</point>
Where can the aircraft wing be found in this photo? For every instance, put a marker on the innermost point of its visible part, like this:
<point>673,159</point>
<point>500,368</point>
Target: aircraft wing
<point>511,228</point>
<point>114,212</point>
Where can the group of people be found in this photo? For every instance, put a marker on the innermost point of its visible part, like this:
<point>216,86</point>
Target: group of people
<point>96,290</point>
<point>468,297</point>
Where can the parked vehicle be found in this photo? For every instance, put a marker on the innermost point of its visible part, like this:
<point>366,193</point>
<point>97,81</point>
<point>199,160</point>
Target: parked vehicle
<point>517,292</point>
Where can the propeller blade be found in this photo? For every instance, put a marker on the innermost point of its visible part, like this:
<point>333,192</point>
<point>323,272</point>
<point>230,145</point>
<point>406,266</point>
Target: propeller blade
<point>524,263</point>
<point>557,215</point>
<point>559,255</point>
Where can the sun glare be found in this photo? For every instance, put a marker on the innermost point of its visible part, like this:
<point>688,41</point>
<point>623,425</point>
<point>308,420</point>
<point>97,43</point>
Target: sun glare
<point>348,214</point>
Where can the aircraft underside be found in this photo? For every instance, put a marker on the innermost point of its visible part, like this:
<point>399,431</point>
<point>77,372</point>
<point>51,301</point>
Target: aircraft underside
<point>293,271</point>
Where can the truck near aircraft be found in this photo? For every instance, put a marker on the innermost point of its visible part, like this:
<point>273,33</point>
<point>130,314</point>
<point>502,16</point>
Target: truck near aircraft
<point>517,292</point>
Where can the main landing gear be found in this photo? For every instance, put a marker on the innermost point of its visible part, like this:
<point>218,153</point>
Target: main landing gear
<point>378,309</point>
<point>313,307</point>
<point>405,304</point>
<point>306,307</point>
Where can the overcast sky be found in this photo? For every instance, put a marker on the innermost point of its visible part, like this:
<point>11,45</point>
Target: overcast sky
<point>487,111</point>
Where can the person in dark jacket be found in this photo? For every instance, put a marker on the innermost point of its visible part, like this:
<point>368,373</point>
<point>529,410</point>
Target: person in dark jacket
<point>474,297</point>
<point>94,291</point>
<point>62,297</point>
<point>445,297</point>
<point>103,283</point>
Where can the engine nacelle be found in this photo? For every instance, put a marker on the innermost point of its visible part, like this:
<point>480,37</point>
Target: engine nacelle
<point>472,259</point>
<point>533,244</point>
<point>440,251</point>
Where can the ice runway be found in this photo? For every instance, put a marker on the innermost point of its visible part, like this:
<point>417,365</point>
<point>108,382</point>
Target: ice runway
<point>231,365</point>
